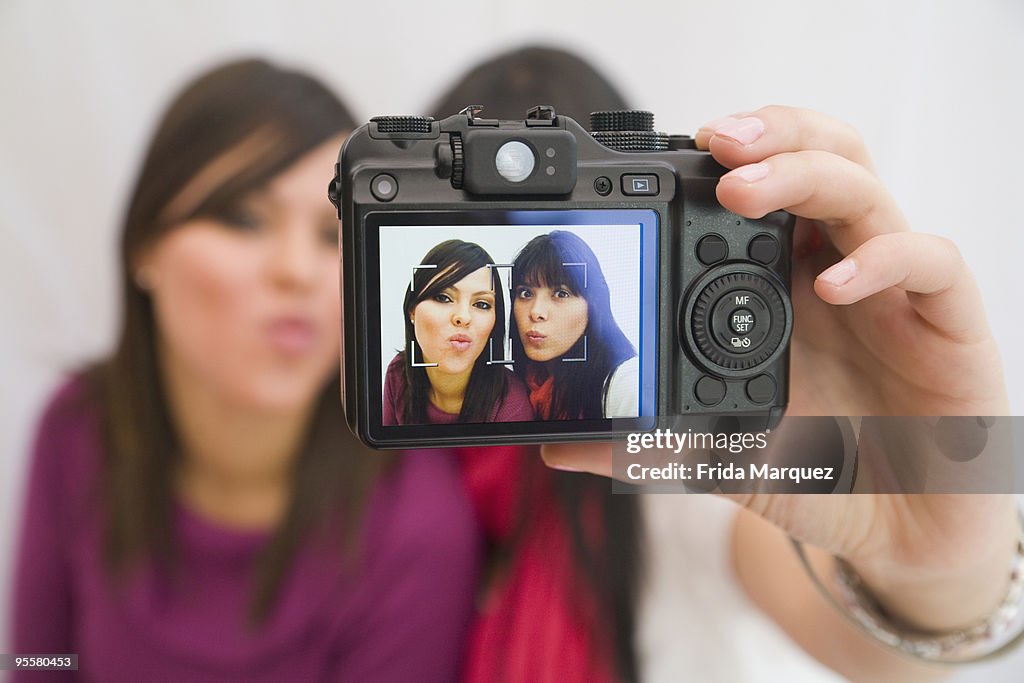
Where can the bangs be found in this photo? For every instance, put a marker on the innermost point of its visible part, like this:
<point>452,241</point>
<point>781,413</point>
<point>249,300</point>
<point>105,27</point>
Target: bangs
<point>439,281</point>
<point>540,264</point>
<point>451,275</point>
<point>227,135</point>
<point>241,170</point>
<point>455,260</point>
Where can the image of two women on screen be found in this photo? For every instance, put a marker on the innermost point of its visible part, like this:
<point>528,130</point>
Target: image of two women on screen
<point>566,357</point>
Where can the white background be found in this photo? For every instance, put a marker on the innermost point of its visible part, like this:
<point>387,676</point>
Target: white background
<point>934,87</point>
<point>617,249</point>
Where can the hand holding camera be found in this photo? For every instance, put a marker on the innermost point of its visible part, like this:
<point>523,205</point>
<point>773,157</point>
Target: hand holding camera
<point>887,322</point>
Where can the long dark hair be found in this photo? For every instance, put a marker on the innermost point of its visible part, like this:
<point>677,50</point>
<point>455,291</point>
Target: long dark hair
<point>507,85</point>
<point>235,127</point>
<point>453,260</point>
<point>511,82</point>
<point>578,387</point>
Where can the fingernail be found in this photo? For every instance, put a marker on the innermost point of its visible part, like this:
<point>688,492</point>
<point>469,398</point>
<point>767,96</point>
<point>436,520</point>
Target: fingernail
<point>841,273</point>
<point>713,125</point>
<point>564,468</point>
<point>750,173</point>
<point>744,131</point>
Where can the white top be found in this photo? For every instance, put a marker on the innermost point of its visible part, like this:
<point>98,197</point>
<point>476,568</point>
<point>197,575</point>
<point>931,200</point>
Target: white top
<point>695,622</point>
<point>622,390</point>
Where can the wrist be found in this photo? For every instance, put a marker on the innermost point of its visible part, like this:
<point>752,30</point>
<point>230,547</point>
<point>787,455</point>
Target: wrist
<point>936,633</point>
<point>951,593</point>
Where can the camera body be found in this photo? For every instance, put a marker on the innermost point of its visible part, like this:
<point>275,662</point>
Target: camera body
<point>700,294</point>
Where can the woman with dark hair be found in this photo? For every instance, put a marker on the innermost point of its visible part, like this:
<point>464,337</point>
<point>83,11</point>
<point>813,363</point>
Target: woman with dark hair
<point>894,584</point>
<point>561,588</point>
<point>197,509</point>
<point>454,319</point>
<point>511,82</point>
<point>570,351</point>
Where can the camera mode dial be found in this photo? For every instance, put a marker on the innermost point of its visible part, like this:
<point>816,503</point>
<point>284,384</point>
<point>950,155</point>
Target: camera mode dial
<point>739,320</point>
<point>458,161</point>
<point>403,124</point>
<point>627,131</point>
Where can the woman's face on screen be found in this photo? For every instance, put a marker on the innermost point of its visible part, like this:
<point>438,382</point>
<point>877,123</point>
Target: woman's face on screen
<point>248,303</point>
<point>551,319</point>
<point>453,326</point>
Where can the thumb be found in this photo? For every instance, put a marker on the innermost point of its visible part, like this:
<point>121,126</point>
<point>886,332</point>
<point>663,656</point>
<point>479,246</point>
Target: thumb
<point>593,457</point>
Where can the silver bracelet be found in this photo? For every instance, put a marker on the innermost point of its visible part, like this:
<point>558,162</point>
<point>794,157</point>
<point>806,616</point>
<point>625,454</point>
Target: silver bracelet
<point>991,637</point>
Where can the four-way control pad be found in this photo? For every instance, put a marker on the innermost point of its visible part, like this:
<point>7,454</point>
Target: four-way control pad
<point>738,319</point>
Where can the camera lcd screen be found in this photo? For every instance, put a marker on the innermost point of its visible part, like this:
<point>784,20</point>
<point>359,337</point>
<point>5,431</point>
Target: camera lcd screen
<point>506,322</point>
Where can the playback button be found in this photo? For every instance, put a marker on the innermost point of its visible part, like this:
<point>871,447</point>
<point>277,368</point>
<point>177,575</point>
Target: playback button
<point>639,185</point>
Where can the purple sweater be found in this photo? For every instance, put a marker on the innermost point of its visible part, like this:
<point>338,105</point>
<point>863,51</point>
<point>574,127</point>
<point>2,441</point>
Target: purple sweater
<point>405,617</point>
<point>514,405</point>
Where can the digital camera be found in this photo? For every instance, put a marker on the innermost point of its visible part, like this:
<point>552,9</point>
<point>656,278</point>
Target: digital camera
<point>531,281</point>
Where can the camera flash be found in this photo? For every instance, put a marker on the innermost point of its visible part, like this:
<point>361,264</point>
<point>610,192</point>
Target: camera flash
<point>514,161</point>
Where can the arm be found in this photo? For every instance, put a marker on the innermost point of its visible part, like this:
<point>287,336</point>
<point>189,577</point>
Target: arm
<point>41,617</point>
<point>420,584</point>
<point>772,576</point>
<point>890,322</point>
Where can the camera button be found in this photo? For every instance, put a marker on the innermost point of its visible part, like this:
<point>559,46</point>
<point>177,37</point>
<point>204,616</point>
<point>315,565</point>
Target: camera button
<point>755,301</point>
<point>639,185</point>
<point>763,249</point>
<point>384,187</point>
<point>742,321</point>
<point>761,389</point>
<point>709,391</point>
<point>712,249</point>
